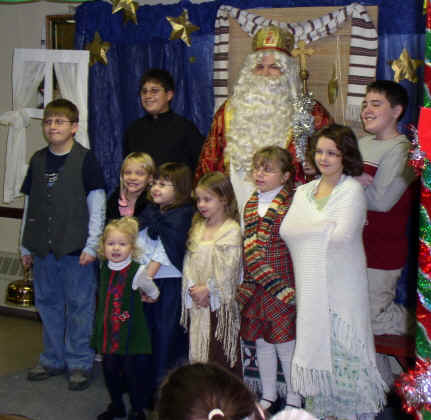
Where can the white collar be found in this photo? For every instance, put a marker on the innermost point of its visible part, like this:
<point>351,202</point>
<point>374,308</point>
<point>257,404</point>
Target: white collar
<point>118,266</point>
<point>268,196</point>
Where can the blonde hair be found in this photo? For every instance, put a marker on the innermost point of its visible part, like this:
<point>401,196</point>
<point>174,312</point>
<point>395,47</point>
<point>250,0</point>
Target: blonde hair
<point>126,225</point>
<point>219,184</point>
<point>140,158</point>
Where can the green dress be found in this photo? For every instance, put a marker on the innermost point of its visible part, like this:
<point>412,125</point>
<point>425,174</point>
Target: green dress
<point>121,326</point>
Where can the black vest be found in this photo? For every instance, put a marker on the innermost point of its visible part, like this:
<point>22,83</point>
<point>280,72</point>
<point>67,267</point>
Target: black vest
<point>57,217</point>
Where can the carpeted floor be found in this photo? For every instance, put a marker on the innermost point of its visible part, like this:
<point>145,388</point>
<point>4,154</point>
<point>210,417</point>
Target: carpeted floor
<point>51,399</point>
<point>20,344</point>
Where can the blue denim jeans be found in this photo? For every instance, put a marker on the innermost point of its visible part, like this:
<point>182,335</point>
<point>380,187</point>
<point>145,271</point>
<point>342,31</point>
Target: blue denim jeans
<point>65,296</point>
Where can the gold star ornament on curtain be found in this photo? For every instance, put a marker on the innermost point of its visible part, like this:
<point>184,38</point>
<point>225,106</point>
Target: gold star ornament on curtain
<point>405,67</point>
<point>129,7</point>
<point>182,27</point>
<point>98,50</point>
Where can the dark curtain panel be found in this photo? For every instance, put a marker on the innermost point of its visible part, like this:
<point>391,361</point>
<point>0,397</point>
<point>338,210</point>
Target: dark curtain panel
<point>113,89</point>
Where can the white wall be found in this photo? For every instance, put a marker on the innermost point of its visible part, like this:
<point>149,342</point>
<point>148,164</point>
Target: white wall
<point>20,27</point>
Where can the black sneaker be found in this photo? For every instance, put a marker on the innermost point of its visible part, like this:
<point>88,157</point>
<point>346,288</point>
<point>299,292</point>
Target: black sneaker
<point>40,373</point>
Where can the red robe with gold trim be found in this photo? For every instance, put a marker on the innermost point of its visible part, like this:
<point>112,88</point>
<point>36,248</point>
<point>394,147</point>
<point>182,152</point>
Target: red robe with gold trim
<point>212,154</point>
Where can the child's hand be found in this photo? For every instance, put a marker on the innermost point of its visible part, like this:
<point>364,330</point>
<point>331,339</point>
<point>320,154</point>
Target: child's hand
<point>145,298</point>
<point>85,259</point>
<point>364,179</point>
<point>200,295</point>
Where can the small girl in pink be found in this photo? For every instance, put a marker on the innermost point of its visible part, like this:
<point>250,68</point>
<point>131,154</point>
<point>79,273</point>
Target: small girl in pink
<point>130,198</point>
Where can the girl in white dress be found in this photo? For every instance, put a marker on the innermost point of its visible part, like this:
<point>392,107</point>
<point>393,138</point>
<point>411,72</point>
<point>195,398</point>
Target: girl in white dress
<point>334,360</point>
<point>211,274</point>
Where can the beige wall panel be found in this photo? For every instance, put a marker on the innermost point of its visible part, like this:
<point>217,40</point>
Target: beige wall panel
<point>20,27</point>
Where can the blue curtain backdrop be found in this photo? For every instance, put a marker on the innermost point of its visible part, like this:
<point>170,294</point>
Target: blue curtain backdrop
<point>113,89</point>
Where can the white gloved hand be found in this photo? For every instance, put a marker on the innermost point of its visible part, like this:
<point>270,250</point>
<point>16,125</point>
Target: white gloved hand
<point>145,283</point>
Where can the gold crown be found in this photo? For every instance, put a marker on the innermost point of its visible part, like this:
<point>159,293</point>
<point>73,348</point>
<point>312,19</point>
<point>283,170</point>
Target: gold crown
<point>273,38</point>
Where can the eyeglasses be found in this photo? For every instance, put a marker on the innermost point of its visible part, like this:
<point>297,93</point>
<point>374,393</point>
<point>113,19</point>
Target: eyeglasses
<point>151,92</point>
<point>265,170</point>
<point>56,121</point>
<point>162,184</point>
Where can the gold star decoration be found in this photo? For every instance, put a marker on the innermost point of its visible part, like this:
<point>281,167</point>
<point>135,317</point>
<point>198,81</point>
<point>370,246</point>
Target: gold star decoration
<point>98,50</point>
<point>182,27</point>
<point>405,67</point>
<point>129,7</point>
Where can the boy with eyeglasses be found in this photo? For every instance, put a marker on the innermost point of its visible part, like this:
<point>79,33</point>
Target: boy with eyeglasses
<point>163,134</point>
<point>63,219</point>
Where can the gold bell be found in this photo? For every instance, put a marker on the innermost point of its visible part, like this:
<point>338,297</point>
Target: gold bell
<point>21,292</point>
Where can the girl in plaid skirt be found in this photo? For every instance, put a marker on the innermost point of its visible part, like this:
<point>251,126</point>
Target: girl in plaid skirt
<point>267,295</point>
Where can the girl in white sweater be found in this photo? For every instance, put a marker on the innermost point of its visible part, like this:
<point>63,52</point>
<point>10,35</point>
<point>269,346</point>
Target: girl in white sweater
<point>334,359</point>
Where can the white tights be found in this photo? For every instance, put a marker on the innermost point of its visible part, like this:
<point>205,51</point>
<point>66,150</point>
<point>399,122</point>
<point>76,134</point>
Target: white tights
<point>266,354</point>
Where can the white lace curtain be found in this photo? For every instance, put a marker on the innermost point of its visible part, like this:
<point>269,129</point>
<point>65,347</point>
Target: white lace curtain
<point>25,82</point>
<point>30,67</point>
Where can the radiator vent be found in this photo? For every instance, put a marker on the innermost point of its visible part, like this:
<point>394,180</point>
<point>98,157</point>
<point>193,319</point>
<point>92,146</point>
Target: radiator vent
<point>10,266</point>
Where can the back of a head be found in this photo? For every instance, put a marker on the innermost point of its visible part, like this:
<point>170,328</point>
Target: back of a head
<point>204,392</point>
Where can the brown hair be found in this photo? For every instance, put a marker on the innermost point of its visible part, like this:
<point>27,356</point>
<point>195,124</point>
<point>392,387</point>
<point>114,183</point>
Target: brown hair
<point>220,185</point>
<point>128,226</point>
<point>181,177</point>
<point>393,92</point>
<point>159,76</point>
<point>346,142</point>
<point>62,107</point>
<point>279,155</point>
<point>192,391</point>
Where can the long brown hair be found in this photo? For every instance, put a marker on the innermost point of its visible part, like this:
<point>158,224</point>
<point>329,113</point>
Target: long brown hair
<point>346,142</point>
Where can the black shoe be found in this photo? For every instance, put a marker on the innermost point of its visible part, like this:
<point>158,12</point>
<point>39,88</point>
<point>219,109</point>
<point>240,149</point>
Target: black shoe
<point>112,412</point>
<point>134,415</point>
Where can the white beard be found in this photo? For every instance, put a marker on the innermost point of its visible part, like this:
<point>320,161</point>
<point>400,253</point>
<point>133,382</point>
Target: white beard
<point>262,114</point>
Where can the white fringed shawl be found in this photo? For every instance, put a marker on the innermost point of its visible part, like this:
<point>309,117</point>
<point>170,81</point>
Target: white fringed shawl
<point>330,276</point>
<point>217,264</point>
